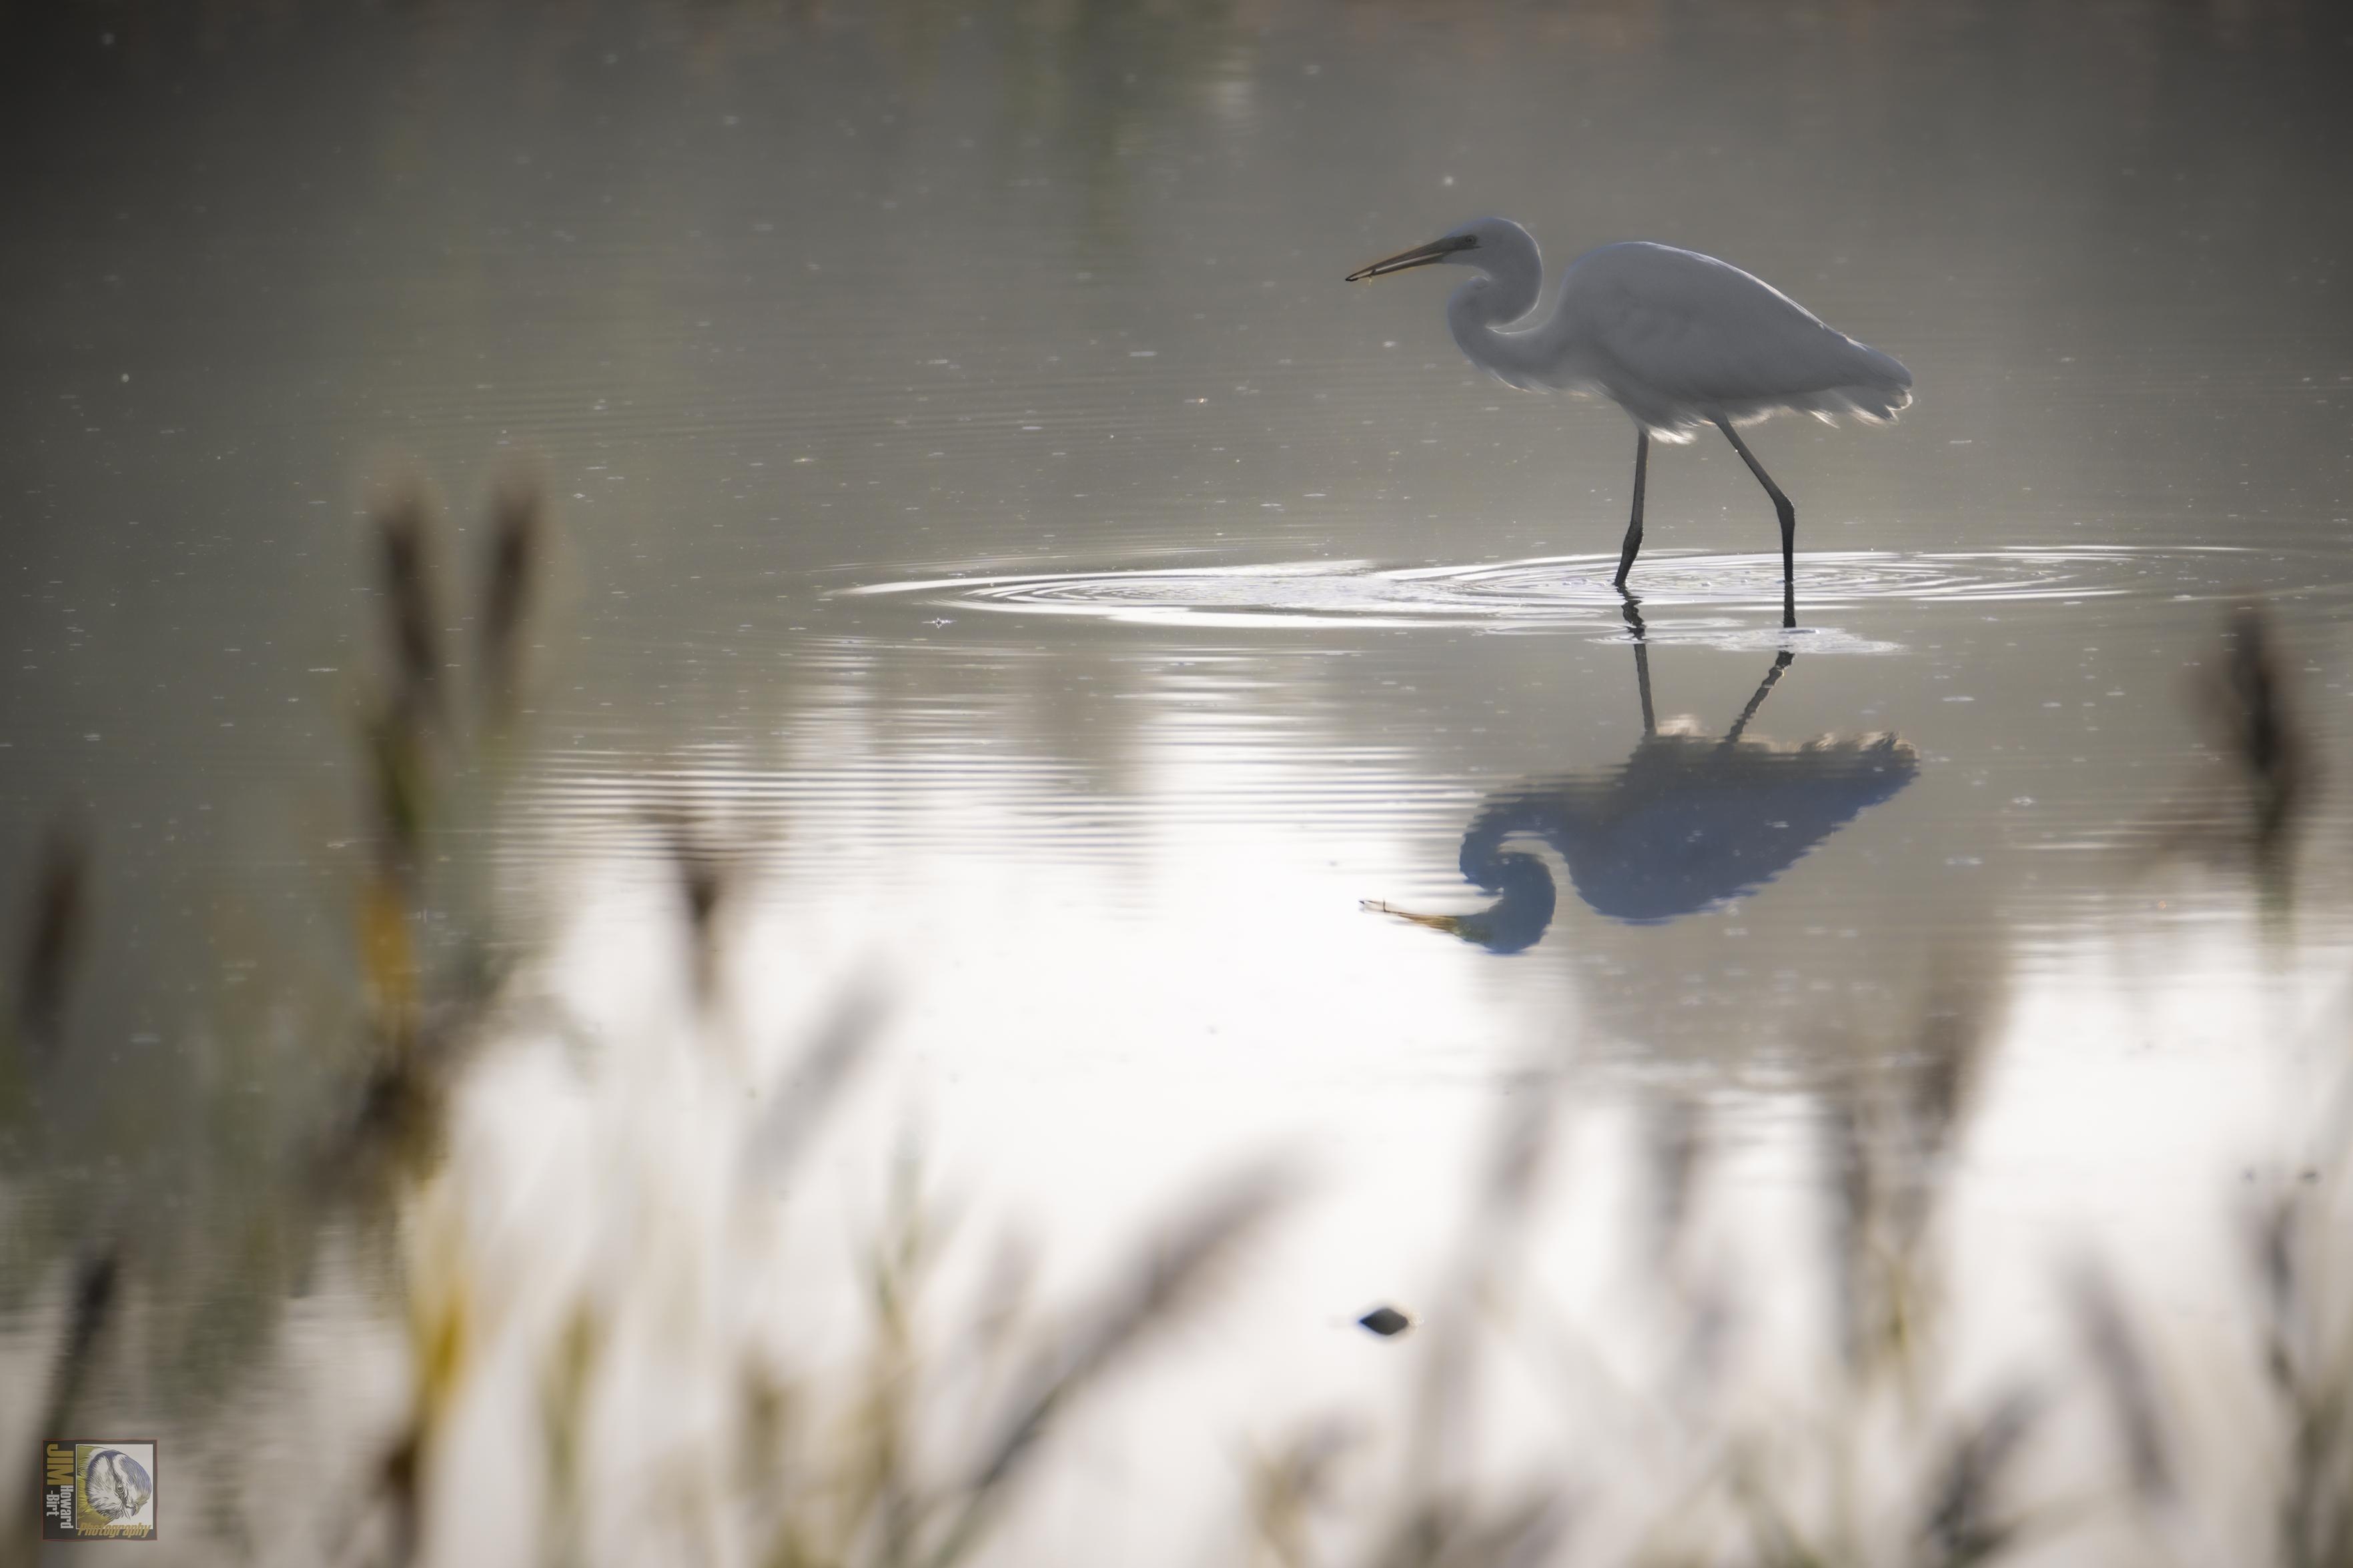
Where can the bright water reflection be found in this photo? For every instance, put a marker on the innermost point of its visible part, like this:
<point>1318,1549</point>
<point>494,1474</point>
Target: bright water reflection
<point>1007,570</point>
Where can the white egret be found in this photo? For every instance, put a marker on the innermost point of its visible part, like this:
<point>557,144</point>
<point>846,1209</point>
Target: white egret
<point>1676,338</point>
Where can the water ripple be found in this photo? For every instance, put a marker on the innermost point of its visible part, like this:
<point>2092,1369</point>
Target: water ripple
<point>1575,590</point>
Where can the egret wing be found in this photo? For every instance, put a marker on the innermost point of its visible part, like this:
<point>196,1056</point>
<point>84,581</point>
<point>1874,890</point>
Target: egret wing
<point>1681,339</point>
<point>1694,822</point>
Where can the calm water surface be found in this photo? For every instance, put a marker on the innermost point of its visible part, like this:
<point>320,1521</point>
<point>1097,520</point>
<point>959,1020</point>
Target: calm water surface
<point>988,516</point>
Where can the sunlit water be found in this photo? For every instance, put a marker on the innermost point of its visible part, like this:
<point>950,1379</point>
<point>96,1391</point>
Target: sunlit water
<point>1570,590</point>
<point>988,518</point>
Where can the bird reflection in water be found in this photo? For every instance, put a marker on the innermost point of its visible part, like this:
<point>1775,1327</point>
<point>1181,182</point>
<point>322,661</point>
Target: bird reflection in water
<point>1689,821</point>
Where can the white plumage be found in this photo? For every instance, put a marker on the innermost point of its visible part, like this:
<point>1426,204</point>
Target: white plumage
<point>1676,338</point>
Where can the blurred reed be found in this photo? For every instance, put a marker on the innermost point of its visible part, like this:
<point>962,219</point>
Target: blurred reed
<point>513,589</point>
<point>426,775</point>
<point>54,936</point>
<point>2246,703</point>
<point>849,1470</point>
<point>2299,1372</point>
<point>2296,1243</point>
<point>55,929</point>
<point>2260,723</point>
<point>1883,1458</point>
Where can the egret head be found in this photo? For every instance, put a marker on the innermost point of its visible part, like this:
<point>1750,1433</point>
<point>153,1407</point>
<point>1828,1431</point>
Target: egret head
<point>1516,919</point>
<point>1481,243</point>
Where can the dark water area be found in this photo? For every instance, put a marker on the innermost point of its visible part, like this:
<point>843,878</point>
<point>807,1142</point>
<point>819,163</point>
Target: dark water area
<point>979,507</point>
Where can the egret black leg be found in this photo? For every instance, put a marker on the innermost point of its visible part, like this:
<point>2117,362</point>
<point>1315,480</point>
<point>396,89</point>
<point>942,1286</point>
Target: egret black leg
<point>1642,687</point>
<point>1634,529</point>
<point>1781,509</point>
<point>1630,608</point>
<point>1758,702</point>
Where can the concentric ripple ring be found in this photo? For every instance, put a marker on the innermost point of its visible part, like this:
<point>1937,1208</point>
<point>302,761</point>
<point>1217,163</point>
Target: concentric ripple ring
<point>1575,590</point>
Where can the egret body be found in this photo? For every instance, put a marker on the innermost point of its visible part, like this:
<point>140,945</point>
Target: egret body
<point>1678,339</point>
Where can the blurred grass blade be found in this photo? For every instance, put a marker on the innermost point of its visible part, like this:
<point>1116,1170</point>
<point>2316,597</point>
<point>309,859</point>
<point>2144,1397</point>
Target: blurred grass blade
<point>2127,1383</point>
<point>53,940</point>
<point>1165,1277</point>
<point>409,581</point>
<point>801,1102</point>
<point>1966,1523</point>
<point>511,589</point>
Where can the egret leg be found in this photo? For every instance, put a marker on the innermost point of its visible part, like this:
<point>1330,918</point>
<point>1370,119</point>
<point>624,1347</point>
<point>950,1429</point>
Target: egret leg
<point>1634,528</point>
<point>1632,610</point>
<point>1781,509</point>
<point>1758,702</point>
<point>1643,687</point>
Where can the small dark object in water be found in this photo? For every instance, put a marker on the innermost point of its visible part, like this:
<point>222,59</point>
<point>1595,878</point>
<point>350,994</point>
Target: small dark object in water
<point>1384,1321</point>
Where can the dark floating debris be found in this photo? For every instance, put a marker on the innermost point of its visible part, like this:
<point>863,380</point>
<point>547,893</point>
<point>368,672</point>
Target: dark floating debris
<point>1385,1322</point>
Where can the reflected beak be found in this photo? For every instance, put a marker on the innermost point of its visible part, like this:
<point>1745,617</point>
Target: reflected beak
<point>1420,255</point>
<point>1451,924</point>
